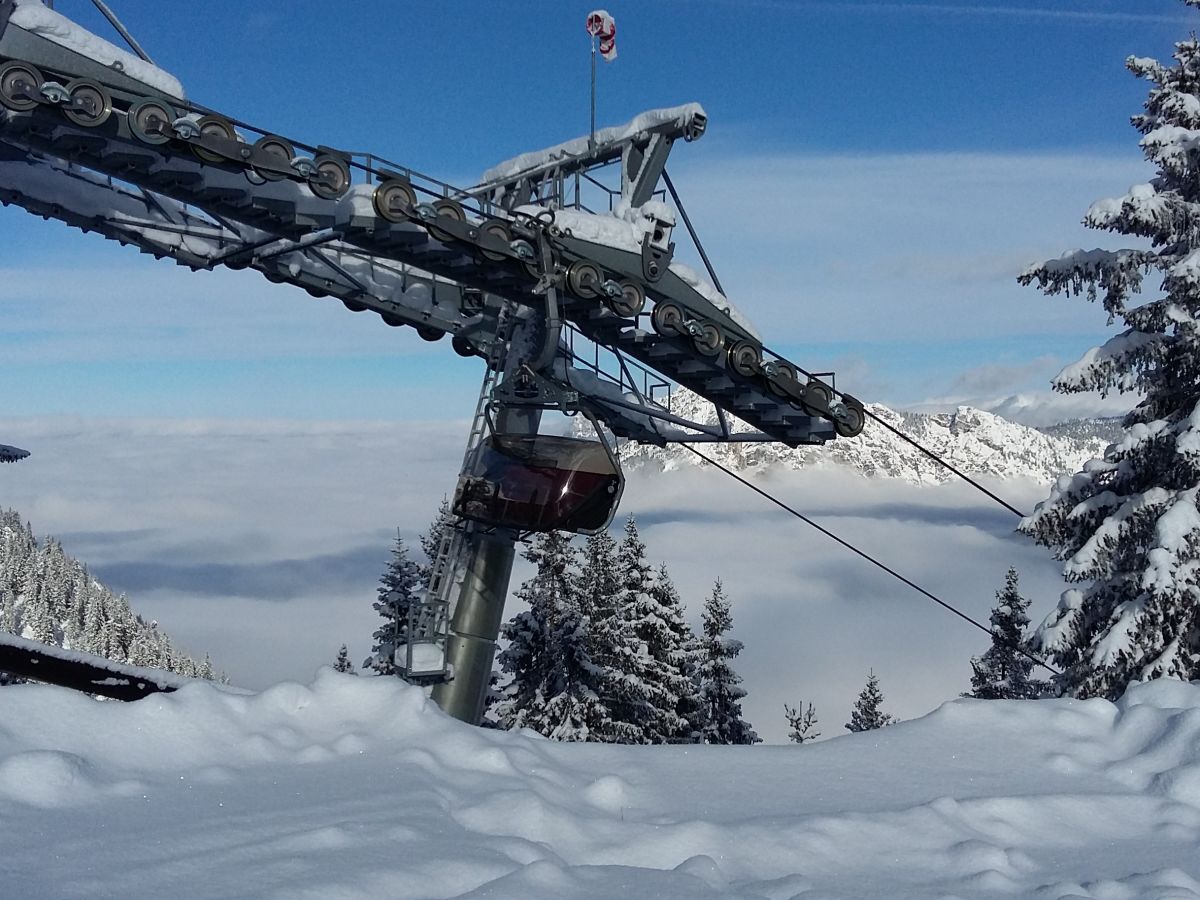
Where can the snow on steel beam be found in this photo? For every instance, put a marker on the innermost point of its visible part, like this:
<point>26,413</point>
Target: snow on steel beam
<point>83,671</point>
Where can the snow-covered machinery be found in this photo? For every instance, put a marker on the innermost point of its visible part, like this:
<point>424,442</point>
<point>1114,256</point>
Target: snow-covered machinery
<point>573,310</point>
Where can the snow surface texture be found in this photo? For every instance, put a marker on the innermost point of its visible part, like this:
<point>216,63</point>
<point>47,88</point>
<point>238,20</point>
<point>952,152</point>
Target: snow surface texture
<point>34,17</point>
<point>356,787</point>
<point>972,440</point>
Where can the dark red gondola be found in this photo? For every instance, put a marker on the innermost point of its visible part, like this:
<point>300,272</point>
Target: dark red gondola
<point>538,482</point>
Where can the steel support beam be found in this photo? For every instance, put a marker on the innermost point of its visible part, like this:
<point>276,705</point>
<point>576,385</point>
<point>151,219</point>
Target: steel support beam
<point>475,625</point>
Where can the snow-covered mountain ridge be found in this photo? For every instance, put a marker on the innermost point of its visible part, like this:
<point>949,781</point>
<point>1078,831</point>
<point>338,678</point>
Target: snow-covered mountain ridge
<point>974,441</point>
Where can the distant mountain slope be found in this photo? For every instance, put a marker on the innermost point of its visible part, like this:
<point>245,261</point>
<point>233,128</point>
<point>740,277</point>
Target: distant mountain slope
<point>1107,430</point>
<point>47,596</point>
<point>977,442</point>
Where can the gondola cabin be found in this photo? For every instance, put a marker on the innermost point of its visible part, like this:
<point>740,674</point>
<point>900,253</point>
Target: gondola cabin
<point>538,482</point>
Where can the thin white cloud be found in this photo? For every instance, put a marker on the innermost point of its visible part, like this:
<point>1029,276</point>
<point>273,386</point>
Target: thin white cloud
<point>1099,17</point>
<point>901,247</point>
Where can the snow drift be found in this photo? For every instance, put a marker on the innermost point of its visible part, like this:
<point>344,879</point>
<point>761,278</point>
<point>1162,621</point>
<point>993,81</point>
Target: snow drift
<point>355,787</point>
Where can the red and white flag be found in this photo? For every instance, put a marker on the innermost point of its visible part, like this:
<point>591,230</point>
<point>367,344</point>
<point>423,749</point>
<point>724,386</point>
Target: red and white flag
<point>600,24</point>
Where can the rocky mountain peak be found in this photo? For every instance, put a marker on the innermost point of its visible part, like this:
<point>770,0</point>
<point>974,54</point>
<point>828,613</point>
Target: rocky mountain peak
<point>974,441</point>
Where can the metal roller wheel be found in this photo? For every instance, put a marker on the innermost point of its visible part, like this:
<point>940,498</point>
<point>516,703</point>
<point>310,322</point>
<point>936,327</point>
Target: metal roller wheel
<point>279,149</point>
<point>667,319</point>
<point>213,126</point>
<point>498,229</point>
<point>393,200</point>
<point>631,302</point>
<point>782,370</point>
<point>745,358</point>
<point>584,278</point>
<point>330,178</point>
<point>446,209</point>
<point>91,104</point>
<point>17,80</point>
<point>709,341</point>
<point>852,419</point>
<point>819,392</point>
<point>150,122</point>
<point>450,209</point>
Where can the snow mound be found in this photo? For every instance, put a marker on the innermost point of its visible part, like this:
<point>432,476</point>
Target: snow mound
<point>357,787</point>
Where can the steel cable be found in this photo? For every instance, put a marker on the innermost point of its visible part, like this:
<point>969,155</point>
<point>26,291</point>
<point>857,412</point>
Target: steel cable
<point>912,584</point>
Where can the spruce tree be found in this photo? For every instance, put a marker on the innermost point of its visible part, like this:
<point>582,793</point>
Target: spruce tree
<point>399,587</point>
<point>1127,526</point>
<point>867,714</point>
<point>343,664</point>
<point>719,684</point>
<point>610,641</point>
<point>8,612</point>
<point>531,657</point>
<point>801,723</point>
<point>1003,672</point>
<point>676,645</point>
<point>431,540</point>
<point>653,683</point>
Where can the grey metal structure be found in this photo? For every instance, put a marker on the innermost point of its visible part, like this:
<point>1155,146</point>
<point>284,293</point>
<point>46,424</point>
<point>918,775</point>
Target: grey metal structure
<point>517,270</point>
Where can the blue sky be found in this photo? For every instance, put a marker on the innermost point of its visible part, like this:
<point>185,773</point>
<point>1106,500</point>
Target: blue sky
<point>874,177</point>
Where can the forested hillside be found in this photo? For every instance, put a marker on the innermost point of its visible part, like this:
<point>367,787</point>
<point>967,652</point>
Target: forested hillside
<point>47,596</point>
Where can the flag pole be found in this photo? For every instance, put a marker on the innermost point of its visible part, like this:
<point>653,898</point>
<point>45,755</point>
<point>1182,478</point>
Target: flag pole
<point>592,133</point>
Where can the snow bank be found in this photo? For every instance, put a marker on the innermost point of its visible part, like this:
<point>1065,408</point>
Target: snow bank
<point>357,787</point>
<point>35,17</point>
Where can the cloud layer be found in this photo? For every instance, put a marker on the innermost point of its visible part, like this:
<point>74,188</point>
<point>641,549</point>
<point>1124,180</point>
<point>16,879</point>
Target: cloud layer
<point>262,543</point>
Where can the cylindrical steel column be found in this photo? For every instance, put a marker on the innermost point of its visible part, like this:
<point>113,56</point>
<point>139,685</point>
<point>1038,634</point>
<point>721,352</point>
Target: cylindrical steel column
<point>476,625</point>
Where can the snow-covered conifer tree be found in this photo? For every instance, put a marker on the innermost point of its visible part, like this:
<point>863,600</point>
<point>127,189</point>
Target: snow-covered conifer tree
<point>610,641</point>
<point>801,722</point>
<point>680,646</point>
<point>1004,672</point>
<point>343,664</point>
<point>647,695</point>
<point>719,684</point>
<point>399,587</point>
<point>868,714</point>
<point>531,658</point>
<point>431,540</point>
<point>1127,526</point>
<point>8,611</point>
<point>652,607</point>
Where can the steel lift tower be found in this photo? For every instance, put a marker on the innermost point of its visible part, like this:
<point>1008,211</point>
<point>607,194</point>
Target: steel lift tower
<point>557,270</point>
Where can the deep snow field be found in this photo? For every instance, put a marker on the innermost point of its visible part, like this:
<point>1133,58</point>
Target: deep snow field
<point>358,787</point>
